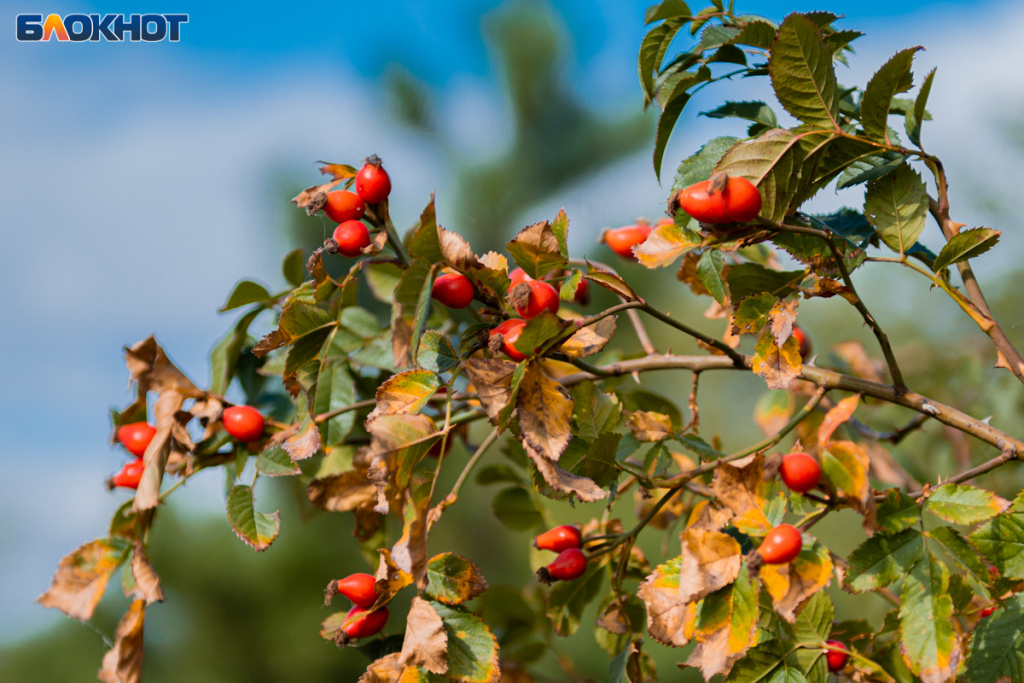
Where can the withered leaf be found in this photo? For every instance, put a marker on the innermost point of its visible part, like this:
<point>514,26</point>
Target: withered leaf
<point>740,486</point>
<point>166,410</point>
<point>589,340</point>
<point>709,516</point>
<point>147,583</point>
<point>781,319</point>
<point>650,426</point>
<point>387,669</point>
<point>726,627</point>
<point>710,560</point>
<point>545,414</point>
<point>82,577</point>
<point>494,261</point>
<point>123,662</point>
<point>492,379</point>
<point>792,583</point>
<point>150,367</point>
<point>457,252</point>
<point>535,248</point>
<point>665,244</point>
<point>410,552</point>
<point>779,365</point>
<point>583,488</point>
<point>390,578</point>
<point>341,492</point>
<point>670,619</point>
<point>839,414</point>
<point>454,579</point>
<point>426,642</point>
<point>406,392</point>
<point>304,442</point>
<point>312,199</point>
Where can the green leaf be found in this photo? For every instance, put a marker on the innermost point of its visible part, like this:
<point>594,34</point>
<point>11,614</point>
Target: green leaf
<point>752,314</point>
<point>898,512</point>
<point>226,353</point>
<point>515,508</point>
<point>567,291</point>
<point>453,579</point>
<point>294,267</point>
<point>275,462</point>
<point>761,663</point>
<point>335,389</point>
<point>869,168</point>
<point>436,352</point>
<point>472,648</point>
<point>306,348</point>
<point>747,279</point>
<point>568,599</point>
<point>300,318</point>
<point>699,166</point>
<point>593,411</point>
<point>815,619</point>
<point>966,245</point>
<point>771,162</point>
<point>894,77</point>
<point>652,53</point>
<point>256,529</point>
<point>755,110</point>
<point>537,332</point>
<point>997,645</point>
<point>422,239</point>
<point>918,114</point>
<point>383,278</point>
<point>246,292</point>
<point>897,205</point>
<point>675,101</point>
<point>963,504</point>
<point>422,306</point>
<point>667,9</point>
<point>961,551</point>
<point>928,640</point>
<point>802,73</point>
<point>709,271</point>
<point>882,560</point>
<point>1001,541</point>
<point>361,322</point>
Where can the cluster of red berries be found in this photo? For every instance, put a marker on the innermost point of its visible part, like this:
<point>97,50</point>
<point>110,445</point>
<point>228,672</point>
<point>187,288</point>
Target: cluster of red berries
<point>346,208</point>
<point>361,621</point>
<point>570,564</point>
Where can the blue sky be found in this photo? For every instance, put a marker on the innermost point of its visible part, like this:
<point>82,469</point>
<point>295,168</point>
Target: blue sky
<point>138,183</point>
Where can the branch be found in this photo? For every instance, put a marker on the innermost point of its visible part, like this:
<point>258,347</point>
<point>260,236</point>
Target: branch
<point>634,318</point>
<point>735,356</point>
<point>940,212</point>
<point>826,379</point>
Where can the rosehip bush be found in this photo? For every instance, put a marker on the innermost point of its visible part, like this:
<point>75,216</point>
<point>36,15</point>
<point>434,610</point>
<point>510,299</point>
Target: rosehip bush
<point>679,537</point>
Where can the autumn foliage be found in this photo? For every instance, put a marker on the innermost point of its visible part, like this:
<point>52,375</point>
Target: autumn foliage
<point>526,366</point>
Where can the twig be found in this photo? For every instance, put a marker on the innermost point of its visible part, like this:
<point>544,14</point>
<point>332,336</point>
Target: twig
<point>992,464</point>
<point>480,450</point>
<point>735,356</point>
<point>359,405</point>
<point>634,317</point>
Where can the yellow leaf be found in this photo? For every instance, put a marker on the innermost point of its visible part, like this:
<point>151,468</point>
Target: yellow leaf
<point>710,560</point>
<point>778,365</point>
<point>789,585</point>
<point>591,339</point>
<point>839,414</point>
<point>740,486</point>
<point>650,426</point>
<point>545,413</point>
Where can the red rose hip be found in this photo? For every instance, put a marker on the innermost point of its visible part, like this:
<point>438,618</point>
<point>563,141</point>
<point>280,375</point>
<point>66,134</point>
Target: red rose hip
<point>367,625</point>
<point>359,588</point>
<point>510,331</point>
<point>721,199</point>
<point>372,182</point>
<point>351,237</point>
<point>622,240</point>
<point>245,423</point>
<point>803,340</point>
<point>570,564</point>
<point>136,436</point>
<point>800,472</point>
<point>539,296</point>
<point>781,545</point>
<point>129,476</point>
<point>558,539</point>
<point>343,205</point>
<point>453,290</point>
<point>836,655</point>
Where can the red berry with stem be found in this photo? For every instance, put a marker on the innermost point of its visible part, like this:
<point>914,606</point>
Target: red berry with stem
<point>245,423</point>
<point>372,182</point>
<point>351,237</point>
<point>836,655</point>
<point>781,545</point>
<point>136,436</point>
<point>532,298</point>
<point>343,205</point>
<point>800,472</point>
<point>366,624</point>
<point>704,203</point>
<point>510,331</point>
<point>570,564</point>
<point>803,340</point>
<point>359,588</point>
<point>987,612</point>
<point>453,290</point>
<point>560,538</point>
<point>622,240</point>
<point>721,199</point>
<point>129,476</point>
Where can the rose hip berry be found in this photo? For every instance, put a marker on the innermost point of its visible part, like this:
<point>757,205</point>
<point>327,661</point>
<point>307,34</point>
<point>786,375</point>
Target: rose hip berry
<point>453,290</point>
<point>129,476</point>
<point>582,296</point>
<point>987,612</point>
<point>622,240</point>
<point>517,275</point>
<point>800,472</point>
<point>365,626</point>
<point>532,298</point>
<point>359,588</point>
<point>836,655</point>
<point>245,423</point>
<point>351,237</point>
<point>372,182</point>
<point>510,331</point>
<point>136,436</point>
<point>343,205</point>
<point>570,564</point>
<point>721,199</point>
<point>558,539</point>
<point>781,545</point>
<point>803,340</point>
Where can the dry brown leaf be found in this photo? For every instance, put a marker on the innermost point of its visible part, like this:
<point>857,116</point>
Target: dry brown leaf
<point>401,338</point>
<point>539,238</point>
<point>710,560</point>
<point>374,247</point>
<point>709,516</point>
<point>687,274</point>
<point>583,488</point>
<point>589,340</point>
<point>304,442</point>
<point>494,261</point>
<point>123,662</point>
<point>670,619</point>
<point>165,410</point>
<point>150,367</point>
<point>426,642</point>
<point>790,584</point>
<point>385,670</point>
<point>717,651</point>
<point>405,392</point>
<point>650,426</point>
<point>313,198</point>
<point>545,414</point>
<point>839,414</point>
<point>147,583</point>
<point>341,492</point>
<point>739,485</point>
<point>410,552</point>
<point>457,252</point>
<point>390,578</point>
<point>81,578</point>
<point>781,319</point>
<point>492,379</point>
